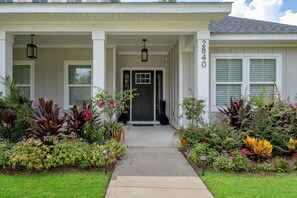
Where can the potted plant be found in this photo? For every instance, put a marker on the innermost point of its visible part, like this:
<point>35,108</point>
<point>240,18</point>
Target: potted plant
<point>117,130</point>
<point>181,134</point>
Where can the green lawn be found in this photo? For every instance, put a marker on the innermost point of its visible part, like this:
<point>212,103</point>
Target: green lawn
<point>228,185</point>
<point>77,184</point>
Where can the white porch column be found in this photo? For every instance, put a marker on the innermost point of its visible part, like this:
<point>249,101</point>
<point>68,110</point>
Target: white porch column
<point>99,62</point>
<point>181,44</point>
<point>202,85</point>
<point>6,42</point>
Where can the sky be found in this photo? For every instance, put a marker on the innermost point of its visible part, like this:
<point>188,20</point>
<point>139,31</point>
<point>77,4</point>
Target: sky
<point>280,11</point>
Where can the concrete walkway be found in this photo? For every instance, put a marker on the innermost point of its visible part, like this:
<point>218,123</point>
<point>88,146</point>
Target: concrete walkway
<point>155,172</point>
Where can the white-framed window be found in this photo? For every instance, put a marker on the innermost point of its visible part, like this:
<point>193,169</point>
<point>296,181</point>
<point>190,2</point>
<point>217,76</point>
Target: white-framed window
<point>237,75</point>
<point>142,78</point>
<point>78,82</point>
<point>23,72</point>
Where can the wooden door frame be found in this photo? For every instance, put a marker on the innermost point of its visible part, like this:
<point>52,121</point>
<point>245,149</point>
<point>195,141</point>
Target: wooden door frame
<point>154,69</point>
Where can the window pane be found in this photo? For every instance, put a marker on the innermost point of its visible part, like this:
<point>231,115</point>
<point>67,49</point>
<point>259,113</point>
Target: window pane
<point>26,91</point>
<point>263,70</point>
<point>21,74</point>
<point>224,92</point>
<point>255,90</point>
<point>79,93</point>
<point>229,70</point>
<point>79,74</point>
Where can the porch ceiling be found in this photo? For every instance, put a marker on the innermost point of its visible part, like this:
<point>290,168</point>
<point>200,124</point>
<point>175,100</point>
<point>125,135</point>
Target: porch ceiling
<point>125,44</point>
<point>114,11</point>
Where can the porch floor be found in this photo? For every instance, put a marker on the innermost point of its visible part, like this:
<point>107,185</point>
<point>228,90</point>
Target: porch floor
<point>150,136</point>
<point>154,168</point>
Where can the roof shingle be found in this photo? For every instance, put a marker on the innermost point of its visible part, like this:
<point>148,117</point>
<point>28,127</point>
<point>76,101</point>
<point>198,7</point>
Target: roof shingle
<point>235,25</point>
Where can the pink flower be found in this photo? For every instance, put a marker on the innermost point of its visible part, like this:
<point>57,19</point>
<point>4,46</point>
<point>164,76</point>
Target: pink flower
<point>36,161</point>
<point>111,102</point>
<point>87,114</point>
<point>101,104</point>
<point>17,143</point>
<point>295,155</point>
<point>244,151</point>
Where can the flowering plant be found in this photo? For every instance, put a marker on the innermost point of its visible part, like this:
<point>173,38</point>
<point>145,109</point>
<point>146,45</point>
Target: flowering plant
<point>112,104</point>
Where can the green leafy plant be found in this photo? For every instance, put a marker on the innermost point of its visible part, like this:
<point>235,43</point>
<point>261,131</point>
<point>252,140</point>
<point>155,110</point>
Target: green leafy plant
<point>45,120</point>
<point>14,110</point>
<point>281,165</point>
<point>34,154</point>
<point>5,147</point>
<point>192,109</point>
<point>231,161</point>
<point>194,155</point>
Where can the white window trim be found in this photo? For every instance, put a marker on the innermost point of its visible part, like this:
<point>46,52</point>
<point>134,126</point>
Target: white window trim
<point>32,75</point>
<point>246,71</point>
<point>66,85</point>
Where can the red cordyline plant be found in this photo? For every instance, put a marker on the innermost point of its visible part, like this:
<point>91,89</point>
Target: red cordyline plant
<point>45,120</point>
<point>78,117</point>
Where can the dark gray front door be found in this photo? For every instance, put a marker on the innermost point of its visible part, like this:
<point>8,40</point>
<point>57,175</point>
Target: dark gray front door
<point>143,104</point>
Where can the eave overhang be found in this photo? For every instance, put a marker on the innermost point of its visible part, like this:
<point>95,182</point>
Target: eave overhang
<point>108,12</point>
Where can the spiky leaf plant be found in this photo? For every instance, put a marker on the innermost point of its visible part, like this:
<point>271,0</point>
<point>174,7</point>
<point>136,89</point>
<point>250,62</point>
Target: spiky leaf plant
<point>45,120</point>
<point>237,112</point>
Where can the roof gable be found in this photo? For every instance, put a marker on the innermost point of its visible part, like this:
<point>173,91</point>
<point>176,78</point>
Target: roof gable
<point>235,25</point>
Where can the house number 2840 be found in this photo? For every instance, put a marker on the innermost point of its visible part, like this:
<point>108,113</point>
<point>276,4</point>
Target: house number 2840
<point>203,50</point>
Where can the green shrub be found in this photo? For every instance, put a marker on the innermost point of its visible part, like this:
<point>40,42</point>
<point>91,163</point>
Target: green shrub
<point>30,153</point>
<point>14,111</point>
<point>232,161</point>
<point>60,151</point>
<point>281,165</point>
<point>264,166</point>
<point>276,122</point>
<point>5,147</point>
<point>194,155</point>
<point>295,165</point>
<point>218,136</point>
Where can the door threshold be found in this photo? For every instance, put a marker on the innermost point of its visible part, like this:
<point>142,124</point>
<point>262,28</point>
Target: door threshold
<point>143,122</point>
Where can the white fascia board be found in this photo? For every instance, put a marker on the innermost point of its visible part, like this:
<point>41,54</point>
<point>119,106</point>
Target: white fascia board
<point>46,28</point>
<point>253,37</point>
<point>198,7</point>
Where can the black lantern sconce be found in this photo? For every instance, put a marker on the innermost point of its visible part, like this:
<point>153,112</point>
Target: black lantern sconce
<point>144,52</point>
<point>32,49</point>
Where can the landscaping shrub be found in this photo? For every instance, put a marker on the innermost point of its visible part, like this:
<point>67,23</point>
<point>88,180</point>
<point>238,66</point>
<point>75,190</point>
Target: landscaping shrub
<point>194,155</point>
<point>232,161</point>
<point>193,110</point>
<point>218,136</point>
<point>276,122</point>
<point>46,120</point>
<point>292,145</point>
<point>59,151</point>
<point>281,165</point>
<point>14,110</point>
<point>261,148</point>
<point>4,152</point>
<point>237,113</point>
